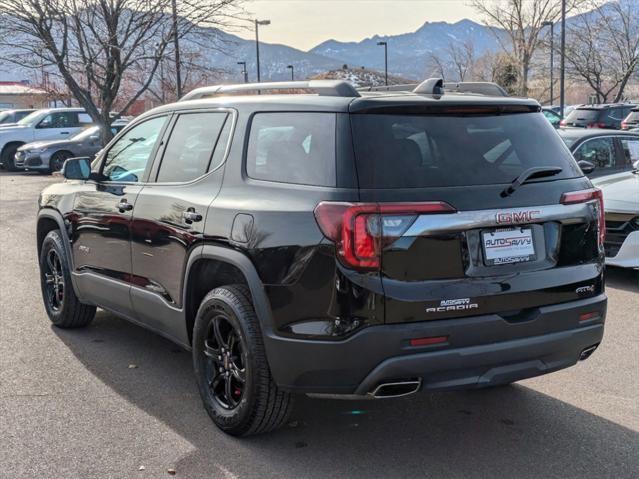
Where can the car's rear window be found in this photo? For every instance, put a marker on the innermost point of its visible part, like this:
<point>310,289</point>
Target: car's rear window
<point>583,114</point>
<point>414,151</point>
<point>633,116</point>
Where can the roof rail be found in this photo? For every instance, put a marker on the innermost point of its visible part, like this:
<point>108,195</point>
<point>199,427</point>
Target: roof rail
<point>339,88</point>
<point>408,87</point>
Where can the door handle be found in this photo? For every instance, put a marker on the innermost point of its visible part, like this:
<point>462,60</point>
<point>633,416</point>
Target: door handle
<point>124,205</point>
<point>64,132</point>
<point>191,216</point>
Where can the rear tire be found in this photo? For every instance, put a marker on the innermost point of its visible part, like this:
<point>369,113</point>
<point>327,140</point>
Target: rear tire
<point>62,305</point>
<point>8,160</point>
<point>228,349</point>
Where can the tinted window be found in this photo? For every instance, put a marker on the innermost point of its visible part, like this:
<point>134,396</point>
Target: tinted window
<point>61,119</point>
<point>413,151</point>
<point>21,114</point>
<point>126,160</point>
<point>189,150</point>
<point>599,151</point>
<point>84,119</point>
<point>631,150</point>
<point>292,148</point>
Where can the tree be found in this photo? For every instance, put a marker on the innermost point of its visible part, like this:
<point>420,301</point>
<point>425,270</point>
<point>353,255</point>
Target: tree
<point>457,63</point>
<point>602,48</point>
<point>92,45</point>
<point>518,25</point>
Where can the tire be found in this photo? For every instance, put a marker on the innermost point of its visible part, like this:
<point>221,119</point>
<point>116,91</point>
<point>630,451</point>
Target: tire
<point>62,305</point>
<point>251,407</point>
<point>8,160</point>
<point>57,160</point>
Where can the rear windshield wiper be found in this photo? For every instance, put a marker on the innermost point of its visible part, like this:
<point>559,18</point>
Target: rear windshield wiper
<point>530,174</point>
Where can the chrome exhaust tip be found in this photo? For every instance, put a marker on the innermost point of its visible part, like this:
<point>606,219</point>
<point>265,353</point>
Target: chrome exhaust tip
<point>396,389</point>
<point>586,353</point>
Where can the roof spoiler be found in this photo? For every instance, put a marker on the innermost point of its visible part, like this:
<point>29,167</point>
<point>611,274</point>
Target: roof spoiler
<point>437,86</point>
<point>339,88</point>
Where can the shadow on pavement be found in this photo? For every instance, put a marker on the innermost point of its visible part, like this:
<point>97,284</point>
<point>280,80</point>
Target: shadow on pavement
<point>510,432</point>
<point>623,278</point>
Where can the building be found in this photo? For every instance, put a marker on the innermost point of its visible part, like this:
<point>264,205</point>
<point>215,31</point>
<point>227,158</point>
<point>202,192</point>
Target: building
<point>21,95</point>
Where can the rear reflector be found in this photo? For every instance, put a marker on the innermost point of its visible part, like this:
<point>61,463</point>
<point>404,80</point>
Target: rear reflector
<point>428,341</point>
<point>590,315</point>
<point>361,230</point>
<point>584,196</point>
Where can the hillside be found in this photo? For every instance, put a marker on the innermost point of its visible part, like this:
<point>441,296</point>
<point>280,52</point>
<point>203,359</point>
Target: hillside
<point>362,77</point>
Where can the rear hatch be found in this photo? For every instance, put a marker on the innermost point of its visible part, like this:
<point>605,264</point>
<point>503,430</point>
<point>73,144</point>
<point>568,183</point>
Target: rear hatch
<point>584,118</point>
<point>446,228</point>
<point>632,120</point>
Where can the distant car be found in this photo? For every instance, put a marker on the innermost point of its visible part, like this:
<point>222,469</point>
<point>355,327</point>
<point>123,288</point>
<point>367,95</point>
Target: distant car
<point>13,116</point>
<point>606,116</point>
<point>609,152</point>
<point>51,155</point>
<point>552,116</point>
<point>48,124</point>
<point>621,206</point>
<point>632,120</point>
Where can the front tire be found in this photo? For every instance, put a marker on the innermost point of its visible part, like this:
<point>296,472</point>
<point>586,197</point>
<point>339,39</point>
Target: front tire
<point>230,365</point>
<point>62,305</point>
<point>57,160</point>
<point>8,160</point>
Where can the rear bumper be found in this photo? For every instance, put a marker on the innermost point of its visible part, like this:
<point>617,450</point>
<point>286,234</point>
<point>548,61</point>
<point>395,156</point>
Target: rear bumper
<point>481,351</point>
<point>628,254</point>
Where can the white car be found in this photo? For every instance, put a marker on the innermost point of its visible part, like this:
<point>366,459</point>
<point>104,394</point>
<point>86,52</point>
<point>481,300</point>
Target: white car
<point>621,205</point>
<point>48,124</point>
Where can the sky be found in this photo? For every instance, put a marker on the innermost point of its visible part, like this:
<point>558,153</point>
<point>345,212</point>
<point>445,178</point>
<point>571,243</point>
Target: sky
<point>304,24</point>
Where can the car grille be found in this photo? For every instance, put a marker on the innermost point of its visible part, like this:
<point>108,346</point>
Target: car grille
<point>618,227</point>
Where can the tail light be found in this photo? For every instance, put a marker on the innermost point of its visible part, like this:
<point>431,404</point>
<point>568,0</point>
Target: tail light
<point>624,125</point>
<point>562,122</point>
<point>589,195</point>
<point>361,230</point>
<point>596,125</point>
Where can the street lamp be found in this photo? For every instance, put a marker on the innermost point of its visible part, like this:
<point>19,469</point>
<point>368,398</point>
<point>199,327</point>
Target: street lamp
<point>562,74</point>
<point>385,45</point>
<point>552,49</point>
<point>257,43</point>
<point>292,68</point>
<point>244,72</point>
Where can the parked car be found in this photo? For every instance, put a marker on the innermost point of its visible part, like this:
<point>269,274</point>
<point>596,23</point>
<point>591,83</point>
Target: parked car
<point>621,200</point>
<point>632,120</point>
<point>48,124</point>
<point>607,116</point>
<point>608,152</point>
<point>553,117</point>
<point>369,245</point>
<point>13,116</point>
<point>50,155</point>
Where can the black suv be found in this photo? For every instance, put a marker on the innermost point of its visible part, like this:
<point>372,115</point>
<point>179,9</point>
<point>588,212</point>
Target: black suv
<point>369,245</point>
<point>608,116</point>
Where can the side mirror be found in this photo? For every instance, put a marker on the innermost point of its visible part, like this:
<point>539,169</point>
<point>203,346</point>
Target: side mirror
<point>77,169</point>
<point>586,166</point>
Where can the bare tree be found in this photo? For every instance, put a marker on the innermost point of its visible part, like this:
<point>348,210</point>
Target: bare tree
<point>456,63</point>
<point>92,45</point>
<point>519,24</point>
<point>602,48</point>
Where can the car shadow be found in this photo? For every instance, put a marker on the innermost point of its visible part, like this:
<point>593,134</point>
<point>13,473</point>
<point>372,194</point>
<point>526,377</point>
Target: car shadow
<point>622,278</point>
<point>510,431</point>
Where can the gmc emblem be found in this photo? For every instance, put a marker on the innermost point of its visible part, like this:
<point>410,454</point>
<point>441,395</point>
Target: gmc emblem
<point>517,217</point>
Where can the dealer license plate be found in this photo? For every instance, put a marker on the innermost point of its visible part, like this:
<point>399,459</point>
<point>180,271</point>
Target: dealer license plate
<point>508,245</point>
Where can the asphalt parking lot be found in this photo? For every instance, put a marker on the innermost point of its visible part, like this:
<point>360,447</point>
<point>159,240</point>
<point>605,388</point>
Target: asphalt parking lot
<point>72,407</point>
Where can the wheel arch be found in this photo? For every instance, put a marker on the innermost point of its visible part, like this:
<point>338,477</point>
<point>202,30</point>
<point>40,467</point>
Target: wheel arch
<point>212,266</point>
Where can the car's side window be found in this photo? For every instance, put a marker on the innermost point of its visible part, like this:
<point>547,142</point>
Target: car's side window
<point>127,158</point>
<point>189,150</point>
<point>85,119</point>
<point>630,148</point>
<point>64,119</point>
<point>293,148</point>
<point>599,151</point>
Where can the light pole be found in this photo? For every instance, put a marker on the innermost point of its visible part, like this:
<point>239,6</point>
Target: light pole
<point>292,68</point>
<point>244,72</point>
<point>257,43</point>
<point>562,74</point>
<point>385,45</point>
<point>552,50</point>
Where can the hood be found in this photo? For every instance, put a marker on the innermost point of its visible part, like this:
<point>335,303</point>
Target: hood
<point>620,191</point>
<point>44,144</point>
<point>12,127</point>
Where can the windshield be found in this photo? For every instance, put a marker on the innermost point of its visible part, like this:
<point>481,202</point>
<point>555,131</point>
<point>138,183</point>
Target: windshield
<point>416,151</point>
<point>4,116</point>
<point>31,118</point>
<point>84,134</point>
